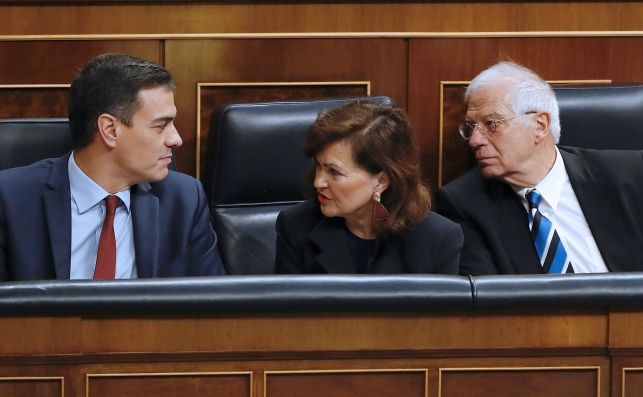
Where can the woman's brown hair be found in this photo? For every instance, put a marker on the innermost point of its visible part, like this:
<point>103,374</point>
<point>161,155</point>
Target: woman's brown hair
<point>381,140</point>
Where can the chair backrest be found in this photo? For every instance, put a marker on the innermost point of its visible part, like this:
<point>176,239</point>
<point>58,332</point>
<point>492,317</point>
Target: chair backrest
<point>601,117</point>
<point>24,141</point>
<point>255,168</point>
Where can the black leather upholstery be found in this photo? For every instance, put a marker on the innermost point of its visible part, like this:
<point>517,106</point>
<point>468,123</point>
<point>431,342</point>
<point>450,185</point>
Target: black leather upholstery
<point>255,168</point>
<point>24,141</point>
<point>323,293</point>
<point>601,117</point>
<point>233,294</point>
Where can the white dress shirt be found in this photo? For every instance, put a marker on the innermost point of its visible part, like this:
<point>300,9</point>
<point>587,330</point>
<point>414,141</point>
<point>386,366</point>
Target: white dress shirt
<point>87,215</point>
<point>560,205</point>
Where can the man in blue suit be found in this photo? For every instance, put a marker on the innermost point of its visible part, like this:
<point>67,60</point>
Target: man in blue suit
<point>121,114</point>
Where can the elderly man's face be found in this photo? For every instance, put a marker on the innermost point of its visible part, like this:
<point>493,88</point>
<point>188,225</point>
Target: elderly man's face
<point>506,153</point>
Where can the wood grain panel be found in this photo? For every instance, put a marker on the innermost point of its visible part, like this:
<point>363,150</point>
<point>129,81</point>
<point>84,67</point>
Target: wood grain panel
<point>632,382</point>
<point>277,333</point>
<point>169,385</point>
<point>40,335</point>
<point>448,16</point>
<point>28,102</point>
<point>31,386</point>
<point>279,60</point>
<point>347,384</point>
<point>57,62</point>
<point>527,382</point>
<point>432,61</point>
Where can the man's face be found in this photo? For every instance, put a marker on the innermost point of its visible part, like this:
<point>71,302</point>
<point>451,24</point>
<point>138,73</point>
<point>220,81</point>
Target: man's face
<point>506,153</point>
<point>144,149</point>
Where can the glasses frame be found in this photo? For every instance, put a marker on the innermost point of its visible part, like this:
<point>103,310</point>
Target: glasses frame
<point>486,127</point>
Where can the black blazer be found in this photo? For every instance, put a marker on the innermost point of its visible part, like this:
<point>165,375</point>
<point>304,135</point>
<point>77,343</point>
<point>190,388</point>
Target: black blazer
<point>309,242</point>
<point>609,188</point>
<point>172,232</point>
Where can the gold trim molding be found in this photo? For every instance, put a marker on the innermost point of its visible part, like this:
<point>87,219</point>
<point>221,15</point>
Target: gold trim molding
<point>322,35</point>
<point>350,371</point>
<point>167,374</point>
<point>518,369</point>
<point>37,378</point>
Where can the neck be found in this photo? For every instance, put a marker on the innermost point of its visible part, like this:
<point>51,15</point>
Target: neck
<point>535,168</point>
<point>361,224</point>
<point>97,165</point>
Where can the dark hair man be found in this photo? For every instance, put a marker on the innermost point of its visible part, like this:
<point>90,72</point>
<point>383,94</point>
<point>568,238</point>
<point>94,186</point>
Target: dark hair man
<point>110,208</point>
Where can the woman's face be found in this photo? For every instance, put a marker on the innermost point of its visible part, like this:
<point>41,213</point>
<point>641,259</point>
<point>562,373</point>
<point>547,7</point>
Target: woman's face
<point>344,189</point>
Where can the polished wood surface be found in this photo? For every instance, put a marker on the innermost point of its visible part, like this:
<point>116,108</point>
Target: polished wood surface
<point>468,16</point>
<point>423,354</point>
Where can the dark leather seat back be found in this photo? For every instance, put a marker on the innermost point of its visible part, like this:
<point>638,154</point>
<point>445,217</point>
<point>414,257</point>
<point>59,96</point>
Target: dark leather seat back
<point>601,117</point>
<point>254,169</point>
<point>24,141</point>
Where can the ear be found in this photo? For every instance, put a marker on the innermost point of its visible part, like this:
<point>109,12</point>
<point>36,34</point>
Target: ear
<point>543,120</point>
<point>108,129</point>
<point>382,182</point>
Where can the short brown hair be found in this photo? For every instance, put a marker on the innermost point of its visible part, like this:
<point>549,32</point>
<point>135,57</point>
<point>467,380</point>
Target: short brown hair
<point>381,140</point>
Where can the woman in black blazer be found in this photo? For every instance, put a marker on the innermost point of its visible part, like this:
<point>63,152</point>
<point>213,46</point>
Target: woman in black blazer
<point>372,210</point>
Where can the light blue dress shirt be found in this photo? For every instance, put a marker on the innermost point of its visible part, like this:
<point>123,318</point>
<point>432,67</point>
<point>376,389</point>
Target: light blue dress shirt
<point>87,214</point>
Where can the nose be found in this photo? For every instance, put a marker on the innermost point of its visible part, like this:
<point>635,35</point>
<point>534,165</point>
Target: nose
<point>173,139</point>
<point>320,181</point>
<point>477,138</point>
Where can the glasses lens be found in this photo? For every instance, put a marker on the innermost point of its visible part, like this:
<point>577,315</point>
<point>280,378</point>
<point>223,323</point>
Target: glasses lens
<point>465,130</point>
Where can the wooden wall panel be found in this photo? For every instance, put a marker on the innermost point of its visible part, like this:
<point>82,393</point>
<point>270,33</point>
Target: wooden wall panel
<point>524,382</point>
<point>408,383</point>
<point>31,386</point>
<point>382,62</point>
<point>33,101</point>
<point>169,385</point>
<point>449,16</point>
<point>56,62</point>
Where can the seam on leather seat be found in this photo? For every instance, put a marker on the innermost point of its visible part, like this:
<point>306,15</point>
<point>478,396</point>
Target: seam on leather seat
<point>474,291</point>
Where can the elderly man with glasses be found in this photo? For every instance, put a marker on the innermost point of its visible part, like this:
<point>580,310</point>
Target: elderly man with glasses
<point>531,207</point>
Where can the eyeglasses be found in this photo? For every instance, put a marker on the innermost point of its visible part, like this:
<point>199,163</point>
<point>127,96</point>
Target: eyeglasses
<point>486,127</point>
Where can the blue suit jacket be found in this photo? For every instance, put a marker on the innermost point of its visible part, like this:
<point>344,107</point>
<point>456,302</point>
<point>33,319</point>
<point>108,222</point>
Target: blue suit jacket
<point>171,223</point>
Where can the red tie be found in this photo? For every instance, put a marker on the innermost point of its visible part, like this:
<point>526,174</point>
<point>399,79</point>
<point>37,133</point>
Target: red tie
<point>106,255</point>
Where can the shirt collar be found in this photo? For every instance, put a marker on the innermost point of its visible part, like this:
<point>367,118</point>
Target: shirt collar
<point>551,186</point>
<point>87,193</point>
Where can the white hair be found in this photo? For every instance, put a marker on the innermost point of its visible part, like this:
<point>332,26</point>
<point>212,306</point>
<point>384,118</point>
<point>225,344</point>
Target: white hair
<point>529,92</point>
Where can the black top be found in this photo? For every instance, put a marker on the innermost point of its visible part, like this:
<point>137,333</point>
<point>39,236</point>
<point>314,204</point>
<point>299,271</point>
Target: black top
<point>310,243</point>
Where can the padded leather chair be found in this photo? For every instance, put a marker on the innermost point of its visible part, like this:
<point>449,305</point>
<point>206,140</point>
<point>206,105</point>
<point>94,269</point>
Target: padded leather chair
<point>24,141</point>
<point>601,117</point>
<point>254,169</point>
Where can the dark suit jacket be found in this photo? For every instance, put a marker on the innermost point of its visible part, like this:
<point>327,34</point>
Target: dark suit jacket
<point>309,242</point>
<point>609,188</point>
<point>171,225</point>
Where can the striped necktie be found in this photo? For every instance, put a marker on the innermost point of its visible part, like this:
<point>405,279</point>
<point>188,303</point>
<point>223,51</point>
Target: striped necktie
<point>550,249</point>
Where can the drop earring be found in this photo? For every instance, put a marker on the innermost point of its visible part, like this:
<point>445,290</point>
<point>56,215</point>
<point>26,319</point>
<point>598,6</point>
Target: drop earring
<point>380,213</point>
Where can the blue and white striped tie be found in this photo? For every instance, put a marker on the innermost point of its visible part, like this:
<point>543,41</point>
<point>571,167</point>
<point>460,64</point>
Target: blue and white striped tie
<point>551,251</point>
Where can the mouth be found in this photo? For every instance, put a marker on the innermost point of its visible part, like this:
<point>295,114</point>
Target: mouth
<point>322,199</point>
<point>167,158</point>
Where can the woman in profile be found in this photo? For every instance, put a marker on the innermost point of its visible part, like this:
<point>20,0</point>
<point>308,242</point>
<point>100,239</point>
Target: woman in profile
<point>372,210</point>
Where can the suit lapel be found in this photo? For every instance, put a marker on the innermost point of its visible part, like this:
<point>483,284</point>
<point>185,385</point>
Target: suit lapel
<point>57,202</point>
<point>513,229</point>
<point>145,222</point>
<point>330,237</point>
<point>599,207</point>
